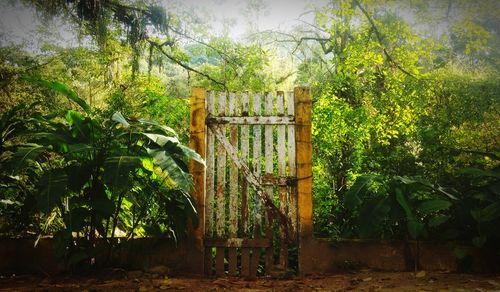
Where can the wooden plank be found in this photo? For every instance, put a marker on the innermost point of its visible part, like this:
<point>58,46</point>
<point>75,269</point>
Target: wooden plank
<point>219,261</point>
<point>292,190</point>
<point>268,168</point>
<point>281,149</point>
<point>221,174</point>
<point>245,262</point>
<point>256,163</point>
<point>270,249</point>
<point>197,142</point>
<point>237,242</point>
<point>210,162</point>
<point>255,258</point>
<point>253,120</point>
<point>208,261</point>
<point>233,190</point>
<point>303,154</point>
<point>245,141</point>
<point>244,156</point>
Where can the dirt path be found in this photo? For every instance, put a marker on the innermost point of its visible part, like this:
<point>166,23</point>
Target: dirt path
<point>362,281</point>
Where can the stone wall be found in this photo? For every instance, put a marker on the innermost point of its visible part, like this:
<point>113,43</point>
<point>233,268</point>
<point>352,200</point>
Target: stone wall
<point>19,256</point>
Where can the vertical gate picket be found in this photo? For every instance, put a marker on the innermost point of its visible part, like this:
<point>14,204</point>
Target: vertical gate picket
<point>209,197</point>
<point>233,190</point>
<point>221,191</point>
<point>269,171</point>
<point>292,199</point>
<point>281,147</point>
<point>245,251</point>
<point>257,215</point>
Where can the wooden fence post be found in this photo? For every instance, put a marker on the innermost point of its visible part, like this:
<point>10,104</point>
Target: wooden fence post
<point>197,170</point>
<point>303,105</point>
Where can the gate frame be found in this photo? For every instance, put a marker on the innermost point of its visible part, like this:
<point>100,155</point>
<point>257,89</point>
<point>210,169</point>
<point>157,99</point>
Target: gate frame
<point>197,141</point>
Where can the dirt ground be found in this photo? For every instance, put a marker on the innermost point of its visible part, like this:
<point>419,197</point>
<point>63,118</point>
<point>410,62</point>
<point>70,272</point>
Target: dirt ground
<point>360,281</point>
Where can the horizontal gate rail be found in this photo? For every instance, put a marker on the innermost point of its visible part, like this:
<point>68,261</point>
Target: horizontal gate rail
<point>254,120</point>
<point>238,242</point>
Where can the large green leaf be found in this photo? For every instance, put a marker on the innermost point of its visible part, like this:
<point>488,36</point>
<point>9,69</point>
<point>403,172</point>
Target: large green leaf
<point>475,172</point>
<point>433,206</point>
<point>78,176</point>
<point>488,213</point>
<point>438,220</point>
<point>119,118</point>
<point>117,170</point>
<point>479,241</point>
<point>53,185</point>
<point>77,219</point>
<point>25,153</point>
<point>427,184</point>
<point>80,127</point>
<point>104,206</point>
<point>352,198</point>
<point>410,181</point>
<point>161,140</point>
<point>191,154</point>
<point>61,88</point>
<point>415,228</point>
<point>165,129</point>
<point>403,202</point>
<point>371,216</point>
<point>170,166</point>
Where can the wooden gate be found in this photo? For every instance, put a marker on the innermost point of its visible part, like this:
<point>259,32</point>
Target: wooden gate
<point>247,196</point>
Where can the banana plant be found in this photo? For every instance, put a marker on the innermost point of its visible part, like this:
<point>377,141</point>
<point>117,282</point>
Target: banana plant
<point>97,166</point>
<point>14,185</point>
<point>382,205</point>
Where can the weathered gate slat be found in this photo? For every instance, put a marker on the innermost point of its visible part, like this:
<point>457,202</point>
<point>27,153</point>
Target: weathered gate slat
<point>245,251</point>
<point>233,190</point>
<point>210,162</point>
<point>257,152</point>
<point>209,195</point>
<point>219,261</point>
<point>221,174</point>
<point>281,149</point>
<point>256,165</point>
<point>268,168</point>
<point>244,155</point>
<point>292,200</point>
<point>221,190</point>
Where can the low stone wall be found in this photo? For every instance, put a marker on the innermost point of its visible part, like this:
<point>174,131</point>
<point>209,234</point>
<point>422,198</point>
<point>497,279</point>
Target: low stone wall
<point>381,255</point>
<point>19,256</point>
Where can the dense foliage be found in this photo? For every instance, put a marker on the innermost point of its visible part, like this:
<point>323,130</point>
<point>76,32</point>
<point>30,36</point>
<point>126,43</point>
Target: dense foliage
<point>406,118</point>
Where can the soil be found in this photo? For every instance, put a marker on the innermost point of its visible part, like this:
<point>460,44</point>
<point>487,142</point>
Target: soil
<point>119,280</point>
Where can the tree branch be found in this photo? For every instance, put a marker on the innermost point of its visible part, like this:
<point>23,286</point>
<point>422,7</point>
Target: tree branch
<point>380,40</point>
<point>183,65</point>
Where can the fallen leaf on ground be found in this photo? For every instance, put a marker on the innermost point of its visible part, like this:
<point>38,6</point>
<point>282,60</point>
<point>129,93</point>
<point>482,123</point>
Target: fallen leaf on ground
<point>420,274</point>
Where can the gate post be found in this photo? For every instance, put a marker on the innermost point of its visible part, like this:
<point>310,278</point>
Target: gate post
<point>197,170</point>
<point>303,105</point>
